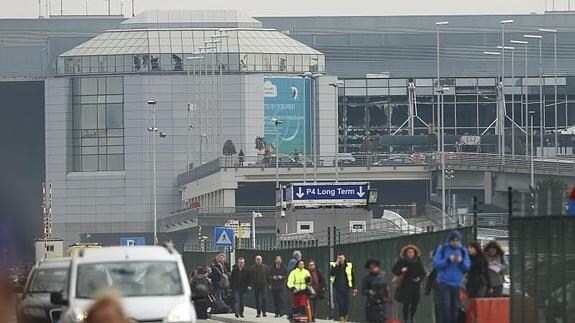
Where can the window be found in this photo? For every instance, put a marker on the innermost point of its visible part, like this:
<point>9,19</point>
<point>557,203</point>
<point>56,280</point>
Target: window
<point>98,124</point>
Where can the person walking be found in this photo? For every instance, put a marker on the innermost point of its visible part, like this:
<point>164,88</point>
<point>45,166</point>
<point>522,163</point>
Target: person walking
<point>375,289</point>
<point>240,284</point>
<point>318,285</point>
<point>409,273</point>
<point>259,282</point>
<point>241,157</point>
<point>478,276</point>
<point>292,264</point>
<point>220,277</point>
<point>201,287</point>
<point>277,277</point>
<point>497,268</point>
<point>342,278</point>
<point>298,282</point>
<point>451,262</point>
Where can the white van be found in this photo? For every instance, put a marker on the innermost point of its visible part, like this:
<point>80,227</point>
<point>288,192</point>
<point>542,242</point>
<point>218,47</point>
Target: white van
<point>151,281</point>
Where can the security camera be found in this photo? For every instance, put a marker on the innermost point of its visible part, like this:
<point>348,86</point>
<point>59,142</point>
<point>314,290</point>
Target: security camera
<point>283,213</point>
<point>256,214</point>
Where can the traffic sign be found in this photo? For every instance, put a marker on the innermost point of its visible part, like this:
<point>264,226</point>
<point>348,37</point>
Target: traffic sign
<point>348,194</point>
<point>133,241</point>
<point>224,237</point>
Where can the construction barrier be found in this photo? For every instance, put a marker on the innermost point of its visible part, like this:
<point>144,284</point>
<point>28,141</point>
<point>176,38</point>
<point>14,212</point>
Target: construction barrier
<point>488,310</point>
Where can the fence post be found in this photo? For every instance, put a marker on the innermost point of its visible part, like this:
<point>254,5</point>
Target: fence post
<point>475,218</point>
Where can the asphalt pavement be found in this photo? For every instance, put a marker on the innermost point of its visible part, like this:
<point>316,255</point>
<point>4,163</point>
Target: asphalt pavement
<point>250,316</point>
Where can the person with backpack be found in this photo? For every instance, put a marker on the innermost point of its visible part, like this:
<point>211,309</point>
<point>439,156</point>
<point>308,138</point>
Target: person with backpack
<point>409,273</point>
<point>451,262</point>
<point>342,278</point>
<point>220,277</point>
<point>240,284</point>
<point>201,287</point>
<point>375,289</point>
<point>478,276</point>
<point>497,268</point>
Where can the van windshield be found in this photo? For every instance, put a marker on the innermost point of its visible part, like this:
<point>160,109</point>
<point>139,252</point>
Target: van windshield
<point>130,279</point>
<point>48,280</point>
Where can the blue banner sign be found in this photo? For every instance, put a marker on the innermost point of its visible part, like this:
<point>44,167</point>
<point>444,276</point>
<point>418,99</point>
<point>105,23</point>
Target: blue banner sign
<point>133,241</point>
<point>345,194</point>
<point>224,237</point>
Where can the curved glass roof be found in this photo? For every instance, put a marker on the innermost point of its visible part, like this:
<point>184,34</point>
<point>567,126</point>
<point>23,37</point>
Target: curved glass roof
<point>235,49</point>
<point>215,18</point>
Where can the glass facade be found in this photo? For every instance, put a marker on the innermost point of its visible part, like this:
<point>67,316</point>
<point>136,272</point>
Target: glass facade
<point>380,107</point>
<point>234,50</point>
<point>98,124</point>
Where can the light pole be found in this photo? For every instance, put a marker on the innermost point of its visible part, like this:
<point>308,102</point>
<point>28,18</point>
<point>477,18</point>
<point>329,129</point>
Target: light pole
<point>203,136</point>
<point>190,108</point>
<point>450,174</point>
<point>220,36</point>
<point>441,140</point>
<point>153,130</point>
<point>525,86</point>
<point>207,103</point>
<point>277,124</point>
<point>438,81</point>
<point>336,86</point>
<point>254,216</point>
<point>313,78</point>
<point>512,50</point>
<point>500,110</point>
<point>555,128</point>
<point>541,110</point>
<point>532,172</point>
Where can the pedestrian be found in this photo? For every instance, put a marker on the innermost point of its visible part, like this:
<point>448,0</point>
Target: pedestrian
<point>497,268</point>
<point>220,279</point>
<point>292,264</point>
<point>201,287</point>
<point>106,309</point>
<point>478,276</point>
<point>298,282</point>
<point>409,273</point>
<point>375,289</point>
<point>241,157</point>
<point>318,285</point>
<point>259,282</point>
<point>240,284</point>
<point>342,277</point>
<point>451,262</point>
<point>277,277</point>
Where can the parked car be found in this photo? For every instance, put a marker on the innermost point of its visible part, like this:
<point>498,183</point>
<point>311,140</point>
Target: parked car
<point>394,160</point>
<point>151,281</point>
<point>34,306</point>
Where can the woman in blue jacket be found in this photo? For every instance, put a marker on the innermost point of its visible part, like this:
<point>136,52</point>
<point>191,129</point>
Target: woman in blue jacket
<point>451,263</point>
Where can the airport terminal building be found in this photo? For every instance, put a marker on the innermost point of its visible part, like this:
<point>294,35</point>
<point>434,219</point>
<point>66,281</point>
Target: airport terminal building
<point>96,80</point>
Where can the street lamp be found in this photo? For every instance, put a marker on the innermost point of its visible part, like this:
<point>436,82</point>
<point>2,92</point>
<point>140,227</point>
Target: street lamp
<point>153,130</point>
<point>449,175</point>
<point>190,59</point>
<point>441,136</point>
<point>554,32</point>
<point>541,111</point>
<point>335,86</point>
<point>512,50</point>
<point>532,172</point>
<point>277,124</point>
<point>525,86</point>
<point>222,34</point>
<point>437,83</point>
<point>500,112</point>
<point>313,77</point>
<point>254,216</point>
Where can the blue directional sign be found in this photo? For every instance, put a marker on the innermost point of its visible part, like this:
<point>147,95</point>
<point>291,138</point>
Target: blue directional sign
<point>224,237</point>
<point>348,194</point>
<point>133,241</point>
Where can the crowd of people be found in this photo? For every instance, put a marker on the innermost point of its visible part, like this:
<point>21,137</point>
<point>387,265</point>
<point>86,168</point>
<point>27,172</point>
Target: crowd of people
<point>454,270</point>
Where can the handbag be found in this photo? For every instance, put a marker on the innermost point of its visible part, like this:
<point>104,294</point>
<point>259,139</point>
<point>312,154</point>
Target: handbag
<point>311,292</point>
<point>397,280</point>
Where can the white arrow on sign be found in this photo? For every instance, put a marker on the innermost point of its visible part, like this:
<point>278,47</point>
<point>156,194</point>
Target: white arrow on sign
<point>361,193</point>
<point>299,194</point>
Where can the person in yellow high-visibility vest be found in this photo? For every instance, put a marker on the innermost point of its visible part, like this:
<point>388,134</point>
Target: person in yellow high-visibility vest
<point>298,282</point>
<point>342,277</point>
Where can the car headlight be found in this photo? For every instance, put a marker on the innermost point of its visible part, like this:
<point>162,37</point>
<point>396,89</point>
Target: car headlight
<point>80,316</point>
<point>180,313</point>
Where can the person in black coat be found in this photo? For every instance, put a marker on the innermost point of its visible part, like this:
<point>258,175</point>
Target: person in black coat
<point>277,277</point>
<point>409,270</point>
<point>200,285</point>
<point>240,284</point>
<point>478,275</point>
<point>374,287</point>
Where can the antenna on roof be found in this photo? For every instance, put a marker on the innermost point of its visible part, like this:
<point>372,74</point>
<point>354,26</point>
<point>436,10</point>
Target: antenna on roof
<point>61,7</point>
<point>133,11</point>
<point>109,7</point>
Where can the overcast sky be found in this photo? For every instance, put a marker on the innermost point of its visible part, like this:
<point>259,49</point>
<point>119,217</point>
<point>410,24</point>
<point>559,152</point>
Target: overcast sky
<point>29,8</point>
